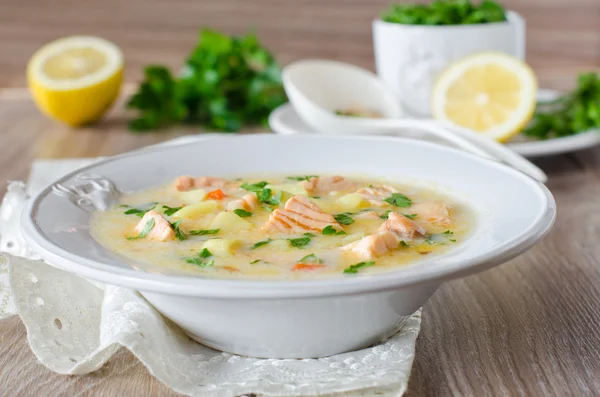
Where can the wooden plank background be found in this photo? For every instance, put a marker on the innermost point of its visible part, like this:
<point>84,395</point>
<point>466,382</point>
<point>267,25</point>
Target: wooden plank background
<point>530,327</point>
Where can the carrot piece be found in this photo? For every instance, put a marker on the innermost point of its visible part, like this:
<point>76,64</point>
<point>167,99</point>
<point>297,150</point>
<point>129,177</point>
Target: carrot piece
<point>307,266</point>
<point>216,195</point>
<point>232,269</point>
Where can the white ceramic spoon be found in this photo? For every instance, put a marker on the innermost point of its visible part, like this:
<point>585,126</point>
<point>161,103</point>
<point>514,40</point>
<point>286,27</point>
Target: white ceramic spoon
<point>317,88</point>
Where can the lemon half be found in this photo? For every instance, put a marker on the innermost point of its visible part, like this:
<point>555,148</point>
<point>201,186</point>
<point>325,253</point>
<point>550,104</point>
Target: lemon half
<point>491,93</point>
<point>76,79</point>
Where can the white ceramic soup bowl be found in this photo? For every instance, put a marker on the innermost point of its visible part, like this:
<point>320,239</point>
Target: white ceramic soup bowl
<point>409,58</point>
<point>292,319</point>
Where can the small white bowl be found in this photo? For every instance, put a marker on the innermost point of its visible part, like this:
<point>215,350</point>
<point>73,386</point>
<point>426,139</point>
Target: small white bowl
<point>291,319</point>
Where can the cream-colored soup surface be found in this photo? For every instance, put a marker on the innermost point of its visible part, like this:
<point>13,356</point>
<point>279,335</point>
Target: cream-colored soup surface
<point>282,227</point>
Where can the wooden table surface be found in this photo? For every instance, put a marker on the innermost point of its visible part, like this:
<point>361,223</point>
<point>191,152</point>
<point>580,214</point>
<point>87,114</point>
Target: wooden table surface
<point>529,327</point>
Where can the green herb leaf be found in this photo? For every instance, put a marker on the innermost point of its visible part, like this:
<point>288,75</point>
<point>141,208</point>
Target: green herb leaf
<point>205,253</point>
<point>200,259</point>
<point>452,240</point>
<point>255,261</point>
<point>344,218</point>
<point>448,232</point>
<point>353,269</point>
<point>301,242</point>
<point>138,211</point>
<point>330,231</point>
<point>254,187</point>
<point>410,216</point>
<point>386,214</point>
<point>445,12</point>
<point>168,211</point>
<point>242,213</point>
<point>226,82</point>
<point>310,258</point>
<point>179,235</point>
<point>261,243</point>
<point>204,232</point>
<point>399,200</point>
<point>302,178</point>
<point>403,243</point>
<point>147,228</point>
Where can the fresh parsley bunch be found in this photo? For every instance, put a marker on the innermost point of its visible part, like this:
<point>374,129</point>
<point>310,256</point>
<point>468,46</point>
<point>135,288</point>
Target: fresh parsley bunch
<point>227,82</point>
<point>445,12</point>
<point>575,112</point>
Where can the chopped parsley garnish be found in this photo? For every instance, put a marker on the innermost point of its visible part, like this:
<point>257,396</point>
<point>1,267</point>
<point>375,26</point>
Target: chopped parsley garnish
<point>138,211</point>
<point>261,243</point>
<point>200,259</point>
<point>242,213</point>
<point>430,241</point>
<point>330,231</point>
<point>410,216</point>
<point>254,187</point>
<point>170,210</point>
<point>310,258</point>
<point>403,243</point>
<point>178,233</point>
<point>344,218</point>
<point>147,228</point>
<point>255,261</point>
<point>399,200</point>
<point>453,240</point>
<point>353,269</point>
<point>386,214</point>
<point>301,242</point>
<point>448,232</point>
<point>302,178</point>
<point>204,232</point>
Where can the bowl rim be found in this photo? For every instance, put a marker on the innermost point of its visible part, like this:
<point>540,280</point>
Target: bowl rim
<point>424,272</point>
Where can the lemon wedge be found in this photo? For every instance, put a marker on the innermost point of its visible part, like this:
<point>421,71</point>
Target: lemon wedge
<point>75,79</point>
<point>491,93</point>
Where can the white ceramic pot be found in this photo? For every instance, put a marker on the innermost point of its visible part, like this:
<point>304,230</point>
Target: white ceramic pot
<point>302,318</point>
<point>408,58</point>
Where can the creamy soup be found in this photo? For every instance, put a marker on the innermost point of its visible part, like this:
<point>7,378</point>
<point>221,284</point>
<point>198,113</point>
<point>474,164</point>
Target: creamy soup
<point>281,227</point>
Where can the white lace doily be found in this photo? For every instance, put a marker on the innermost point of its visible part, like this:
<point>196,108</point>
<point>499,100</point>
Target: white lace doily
<point>75,326</point>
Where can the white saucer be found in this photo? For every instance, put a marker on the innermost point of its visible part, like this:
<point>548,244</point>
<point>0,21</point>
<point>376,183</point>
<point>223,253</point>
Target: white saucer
<point>285,121</point>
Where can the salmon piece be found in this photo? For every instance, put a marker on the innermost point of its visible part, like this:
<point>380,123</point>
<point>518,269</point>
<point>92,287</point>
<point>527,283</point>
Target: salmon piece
<point>326,184</point>
<point>402,227</point>
<point>436,212</point>
<point>185,183</point>
<point>162,229</point>
<point>376,195</point>
<point>373,245</point>
<point>249,203</point>
<point>367,215</point>
<point>298,216</point>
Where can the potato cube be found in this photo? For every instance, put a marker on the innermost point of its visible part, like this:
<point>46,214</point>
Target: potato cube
<point>292,188</point>
<point>222,247</point>
<point>229,222</point>
<point>352,202</point>
<point>192,196</point>
<point>196,210</point>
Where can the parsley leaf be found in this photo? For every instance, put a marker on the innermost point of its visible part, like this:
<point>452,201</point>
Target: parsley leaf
<point>410,216</point>
<point>261,243</point>
<point>386,214</point>
<point>205,253</point>
<point>254,187</point>
<point>226,82</point>
<point>353,269</point>
<point>301,242</point>
<point>138,211</point>
<point>310,258</point>
<point>399,200</point>
<point>344,218</point>
<point>330,231</point>
<point>302,178</point>
<point>403,243</point>
<point>204,232</point>
<point>448,232</point>
<point>445,12</point>
<point>147,228</point>
<point>178,233</point>
<point>242,213</point>
<point>452,240</point>
<point>255,261</point>
<point>201,259</point>
<point>168,211</point>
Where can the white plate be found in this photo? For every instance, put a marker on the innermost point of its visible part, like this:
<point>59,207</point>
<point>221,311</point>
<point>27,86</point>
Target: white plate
<point>285,121</point>
<point>291,319</point>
